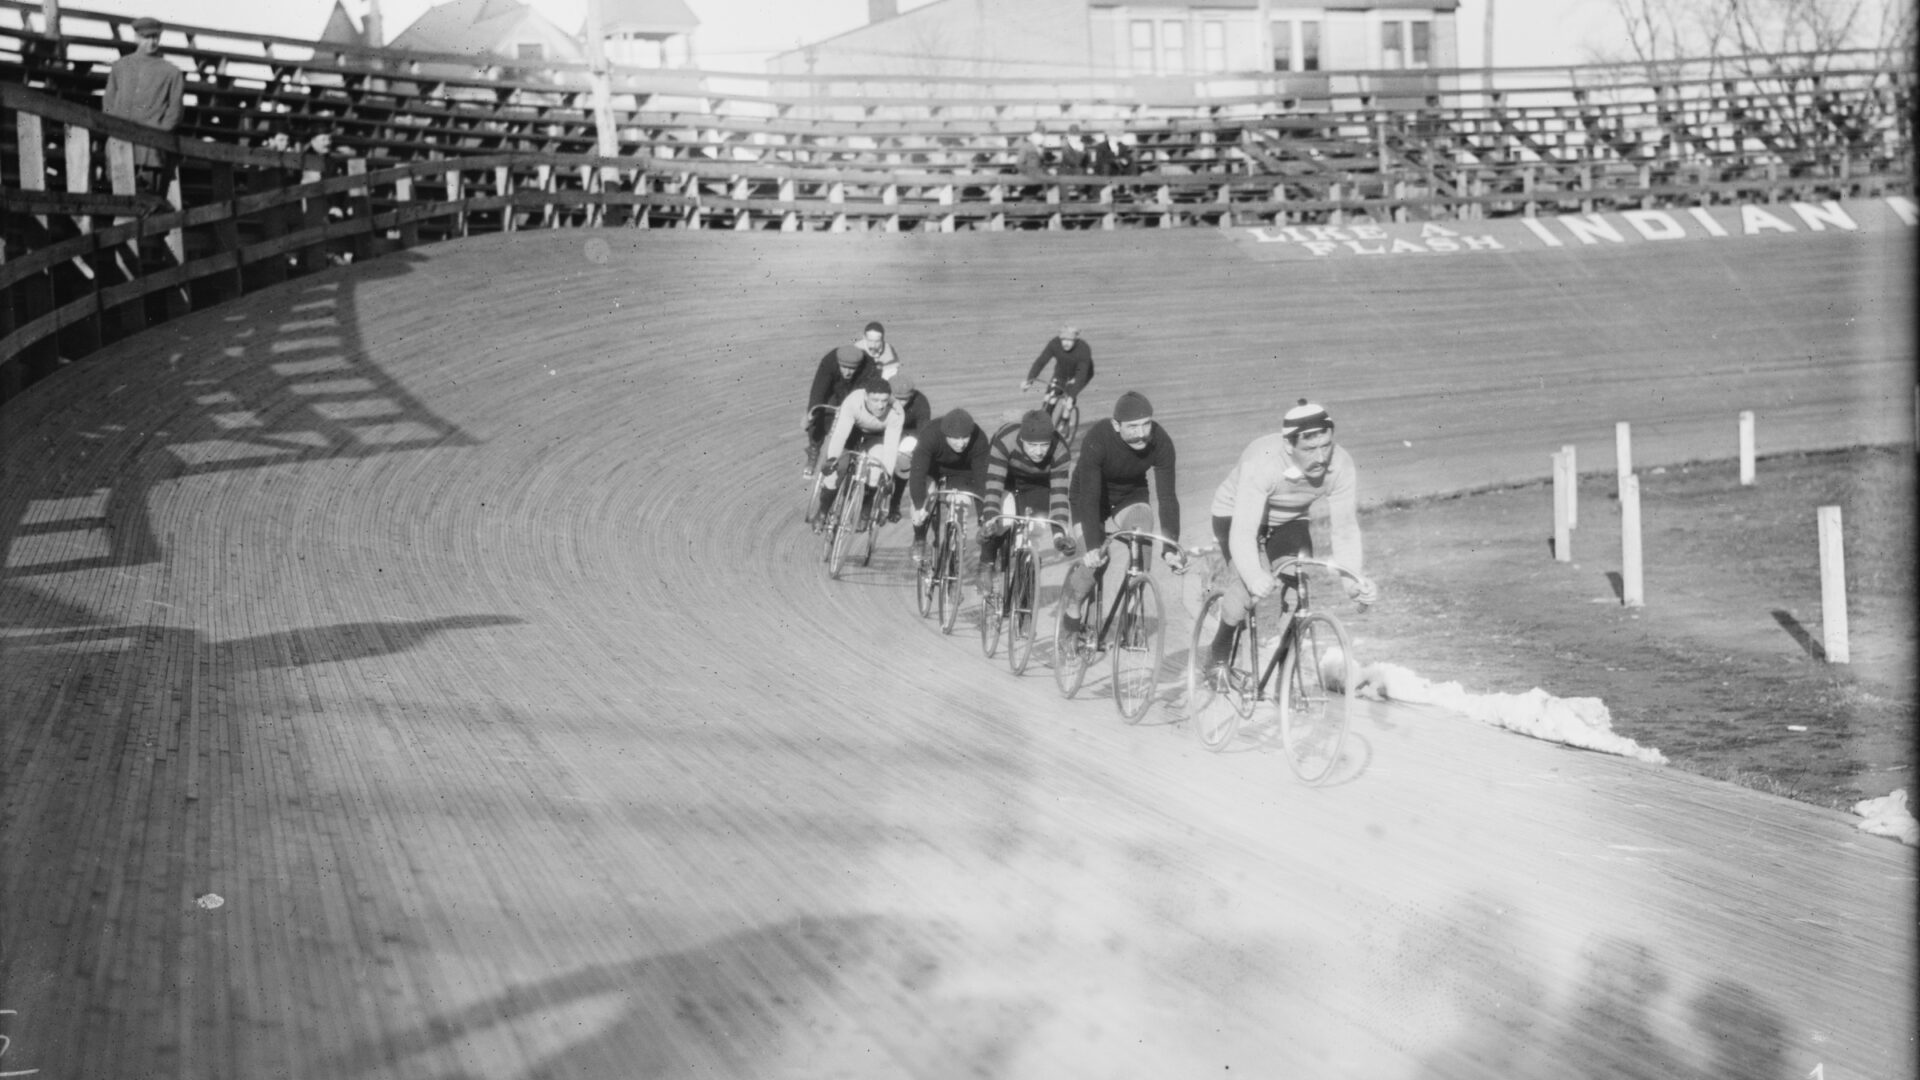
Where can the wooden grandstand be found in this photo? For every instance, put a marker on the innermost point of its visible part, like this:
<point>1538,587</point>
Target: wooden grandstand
<point>438,146</point>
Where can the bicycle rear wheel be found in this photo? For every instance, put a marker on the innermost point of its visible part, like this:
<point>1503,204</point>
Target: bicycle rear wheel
<point>1022,592</point>
<point>1217,703</point>
<point>1316,696</point>
<point>1073,653</point>
<point>1139,644</point>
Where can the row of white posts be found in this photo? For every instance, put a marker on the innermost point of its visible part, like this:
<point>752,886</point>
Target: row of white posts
<point>1566,516</point>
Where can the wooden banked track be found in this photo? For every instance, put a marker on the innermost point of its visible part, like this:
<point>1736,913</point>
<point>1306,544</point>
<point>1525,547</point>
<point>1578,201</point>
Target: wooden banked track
<point>417,669</point>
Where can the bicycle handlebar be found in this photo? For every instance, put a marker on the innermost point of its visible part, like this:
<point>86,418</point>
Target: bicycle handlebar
<point>1292,563</point>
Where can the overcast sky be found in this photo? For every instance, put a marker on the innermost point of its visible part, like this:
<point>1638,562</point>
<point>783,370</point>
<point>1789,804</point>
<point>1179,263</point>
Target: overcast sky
<point>738,35</point>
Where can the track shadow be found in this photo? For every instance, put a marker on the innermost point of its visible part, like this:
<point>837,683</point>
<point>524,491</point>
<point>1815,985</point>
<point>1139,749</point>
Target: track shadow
<point>282,649</point>
<point>286,379</point>
<point>1618,1020</point>
<point>811,996</point>
<point>1799,634</point>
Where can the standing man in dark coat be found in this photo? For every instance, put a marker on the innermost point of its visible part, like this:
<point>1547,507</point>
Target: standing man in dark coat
<point>149,90</point>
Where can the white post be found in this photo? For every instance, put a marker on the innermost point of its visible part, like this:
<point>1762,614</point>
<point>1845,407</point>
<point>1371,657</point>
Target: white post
<point>1623,452</point>
<point>1833,586</point>
<point>1632,591</point>
<point>1562,528</point>
<point>1746,448</point>
<point>1573,486</point>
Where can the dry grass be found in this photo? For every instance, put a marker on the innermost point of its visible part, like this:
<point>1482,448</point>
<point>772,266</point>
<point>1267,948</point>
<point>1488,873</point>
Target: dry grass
<point>1724,662</point>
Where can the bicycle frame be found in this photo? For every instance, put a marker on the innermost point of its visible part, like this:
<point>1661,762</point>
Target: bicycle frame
<point>1138,546</point>
<point>1290,617</point>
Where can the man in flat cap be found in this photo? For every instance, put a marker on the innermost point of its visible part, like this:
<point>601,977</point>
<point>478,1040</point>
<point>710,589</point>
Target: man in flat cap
<point>146,89</point>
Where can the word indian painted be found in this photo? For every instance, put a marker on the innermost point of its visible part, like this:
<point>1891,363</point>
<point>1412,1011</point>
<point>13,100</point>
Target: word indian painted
<point>1579,230</point>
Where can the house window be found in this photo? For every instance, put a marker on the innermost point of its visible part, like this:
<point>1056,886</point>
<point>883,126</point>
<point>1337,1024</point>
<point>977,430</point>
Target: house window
<point>1296,45</point>
<point>1140,45</point>
<point>1406,43</point>
<point>1173,47</point>
<point>1213,42</point>
<point>529,51</point>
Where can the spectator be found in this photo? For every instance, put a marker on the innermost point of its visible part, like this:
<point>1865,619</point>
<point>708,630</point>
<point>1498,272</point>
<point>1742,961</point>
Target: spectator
<point>1032,159</point>
<point>1111,157</point>
<point>148,90</point>
<point>1073,151</point>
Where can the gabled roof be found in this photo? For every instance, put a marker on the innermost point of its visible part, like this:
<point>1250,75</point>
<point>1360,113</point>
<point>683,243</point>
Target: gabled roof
<point>646,18</point>
<point>340,29</point>
<point>468,26</point>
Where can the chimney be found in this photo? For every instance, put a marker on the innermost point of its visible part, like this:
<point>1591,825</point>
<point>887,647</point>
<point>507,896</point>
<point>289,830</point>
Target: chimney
<point>882,9</point>
<point>374,28</point>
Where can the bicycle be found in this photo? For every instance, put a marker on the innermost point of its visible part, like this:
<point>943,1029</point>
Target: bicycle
<point>937,581</point>
<point>815,476</point>
<point>1315,665</point>
<point>1068,423</point>
<point>1133,633</point>
<point>1018,571</point>
<point>857,508</point>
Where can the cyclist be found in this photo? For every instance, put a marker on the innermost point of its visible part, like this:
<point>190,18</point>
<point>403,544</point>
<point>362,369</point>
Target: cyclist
<point>838,373</point>
<point>1027,464</point>
<point>873,342</point>
<point>1072,370</point>
<point>867,420</point>
<point>1110,491</point>
<point>955,453</point>
<point>1260,515</point>
<point>916,417</point>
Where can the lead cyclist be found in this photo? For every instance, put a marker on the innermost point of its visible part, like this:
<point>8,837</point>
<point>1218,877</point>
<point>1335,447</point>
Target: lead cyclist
<point>1260,516</point>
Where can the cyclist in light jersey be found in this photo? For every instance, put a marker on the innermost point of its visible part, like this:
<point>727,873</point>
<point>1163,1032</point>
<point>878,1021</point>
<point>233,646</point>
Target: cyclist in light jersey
<point>867,420</point>
<point>1260,514</point>
<point>873,341</point>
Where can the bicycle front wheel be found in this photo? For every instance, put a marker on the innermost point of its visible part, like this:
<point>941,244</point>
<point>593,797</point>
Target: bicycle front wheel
<point>1217,700</point>
<point>948,561</point>
<point>846,528</point>
<point>992,615</point>
<point>1022,591</point>
<point>926,581</point>
<point>1139,644</point>
<point>1073,652</point>
<point>1316,696</point>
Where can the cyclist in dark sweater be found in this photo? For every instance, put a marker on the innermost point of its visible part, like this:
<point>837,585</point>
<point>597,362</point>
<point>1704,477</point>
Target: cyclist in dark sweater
<point>838,372</point>
<point>1110,489</point>
<point>1072,361</point>
<point>954,452</point>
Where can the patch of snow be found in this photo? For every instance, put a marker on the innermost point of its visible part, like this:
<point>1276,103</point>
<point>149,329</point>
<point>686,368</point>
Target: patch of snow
<point>1582,722</point>
<point>1889,815</point>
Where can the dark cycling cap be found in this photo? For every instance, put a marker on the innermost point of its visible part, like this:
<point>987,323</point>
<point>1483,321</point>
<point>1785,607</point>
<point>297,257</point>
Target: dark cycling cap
<point>1036,426</point>
<point>1132,405</point>
<point>902,384</point>
<point>848,355</point>
<point>875,326</point>
<point>1305,417</point>
<point>957,424</point>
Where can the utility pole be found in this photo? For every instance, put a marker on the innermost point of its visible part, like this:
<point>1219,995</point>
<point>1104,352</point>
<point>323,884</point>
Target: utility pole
<point>602,82</point>
<point>1486,48</point>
